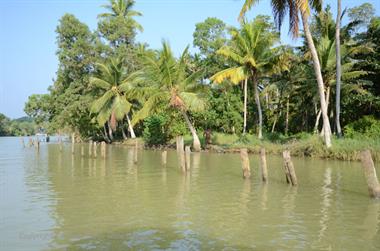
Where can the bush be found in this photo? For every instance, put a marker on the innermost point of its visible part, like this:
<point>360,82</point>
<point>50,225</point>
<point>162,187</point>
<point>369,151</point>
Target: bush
<point>155,132</point>
<point>368,126</point>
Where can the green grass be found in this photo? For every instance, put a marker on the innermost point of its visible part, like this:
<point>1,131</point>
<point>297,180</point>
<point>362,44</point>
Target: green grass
<point>300,145</point>
<point>303,144</point>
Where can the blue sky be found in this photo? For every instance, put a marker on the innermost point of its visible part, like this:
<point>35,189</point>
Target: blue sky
<point>27,35</point>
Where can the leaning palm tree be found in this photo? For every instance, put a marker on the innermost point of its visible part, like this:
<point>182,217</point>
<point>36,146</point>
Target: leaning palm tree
<point>253,57</point>
<point>294,8</point>
<point>114,87</point>
<point>326,46</point>
<point>165,80</point>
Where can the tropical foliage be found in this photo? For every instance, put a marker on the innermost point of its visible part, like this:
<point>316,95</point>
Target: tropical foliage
<point>239,80</point>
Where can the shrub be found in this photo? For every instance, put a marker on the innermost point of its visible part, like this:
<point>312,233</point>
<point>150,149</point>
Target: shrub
<point>155,132</point>
<point>368,126</point>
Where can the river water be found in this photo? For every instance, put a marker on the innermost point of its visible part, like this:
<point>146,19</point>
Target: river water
<point>52,200</point>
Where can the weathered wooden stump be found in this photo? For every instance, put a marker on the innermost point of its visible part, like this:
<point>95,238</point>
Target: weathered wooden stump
<point>38,145</point>
<point>90,148</point>
<point>135,156</point>
<point>187,153</point>
<point>73,143</point>
<point>181,153</point>
<point>95,150</point>
<point>370,174</point>
<point>179,143</point>
<point>245,163</point>
<point>290,173</point>
<point>263,165</point>
<point>164,155</point>
<point>103,149</point>
<point>30,142</point>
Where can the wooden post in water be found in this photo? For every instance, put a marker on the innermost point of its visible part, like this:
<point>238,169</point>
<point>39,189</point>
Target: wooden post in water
<point>370,174</point>
<point>22,142</point>
<point>245,163</point>
<point>60,143</point>
<point>164,155</point>
<point>187,152</point>
<point>263,165</point>
<point>95,152</point>
<point>90,148</point>
<point>72,143</point>
<point>290,173</point>
<point>38,145</point>
<point>135,156</point>
<point>82,150</point>
<point>103,149</point>
<point>181,153</point>
<point>30,142</point>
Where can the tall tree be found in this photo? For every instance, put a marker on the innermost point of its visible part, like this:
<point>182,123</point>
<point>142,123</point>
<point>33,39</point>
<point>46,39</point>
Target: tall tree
<point>294,8</point>
<point>251,51</point>
<point>338,69</point>
<point>165,80</point>
<point>113,85</point>
<point>70,90</point>
<point>209,36</point>
<point>119,25</point>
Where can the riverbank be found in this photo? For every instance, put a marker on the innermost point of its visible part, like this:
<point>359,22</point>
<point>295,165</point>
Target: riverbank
<point>303,145</point>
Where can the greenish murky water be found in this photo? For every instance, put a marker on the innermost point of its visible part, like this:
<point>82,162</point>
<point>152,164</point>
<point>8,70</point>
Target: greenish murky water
<point>55,201</point>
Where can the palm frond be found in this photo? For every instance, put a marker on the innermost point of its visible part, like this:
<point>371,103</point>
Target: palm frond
<point>234,74</point>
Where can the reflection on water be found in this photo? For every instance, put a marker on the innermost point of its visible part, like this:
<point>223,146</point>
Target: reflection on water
<point>54,200</point>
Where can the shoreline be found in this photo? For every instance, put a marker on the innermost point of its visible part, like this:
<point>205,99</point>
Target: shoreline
<point>296,148</point>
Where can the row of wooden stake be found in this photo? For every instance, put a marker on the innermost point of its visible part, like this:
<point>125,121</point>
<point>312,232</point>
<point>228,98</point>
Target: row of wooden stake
<point>92,148</point>
<point>183,153</point>
<point>290,174</point>
<point>291,177</point>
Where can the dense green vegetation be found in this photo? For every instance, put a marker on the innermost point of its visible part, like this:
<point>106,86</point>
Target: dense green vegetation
<point>240,82</point>
<point>24,126</point>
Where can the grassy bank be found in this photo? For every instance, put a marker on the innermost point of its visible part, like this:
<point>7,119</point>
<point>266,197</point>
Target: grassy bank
<point>300,145</point>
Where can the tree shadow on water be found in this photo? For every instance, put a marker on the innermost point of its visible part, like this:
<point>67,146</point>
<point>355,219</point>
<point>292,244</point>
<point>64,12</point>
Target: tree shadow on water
<point>148,239</point>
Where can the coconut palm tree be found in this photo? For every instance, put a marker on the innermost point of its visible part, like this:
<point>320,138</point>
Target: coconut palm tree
<point>123,9</point>
<point>338,69</point>
<point>164,79</point>
<point>325,41</point>
<point>294,8</point>
<point>113,85</point>
<point>118,26</point>
<point>253,57</point>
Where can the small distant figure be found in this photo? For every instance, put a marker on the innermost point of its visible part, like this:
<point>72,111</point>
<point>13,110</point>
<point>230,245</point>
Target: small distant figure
<point>47,138</point>
<point>207,135</point>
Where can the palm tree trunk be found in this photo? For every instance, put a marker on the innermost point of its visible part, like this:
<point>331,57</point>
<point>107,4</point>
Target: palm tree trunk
<point>318,75</point>
<point>245,105</point>
<point>110,134</point>
<point>316,125</point>
<point>196,142</point>
<point>279,111</point>
<point>338,71</point>
<point>287,116</point>
<point>130,128</point>
<point>274,124</point>
<point>259,111</point>
<point>124,134</point>
<point>106,134</point>
<point>328,89</point>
